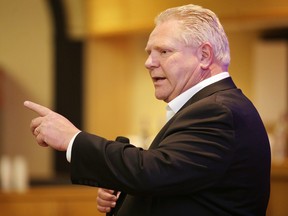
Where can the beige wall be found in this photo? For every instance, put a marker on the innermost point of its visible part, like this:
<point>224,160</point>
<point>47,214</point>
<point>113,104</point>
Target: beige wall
<point>241,68</point>
<point>26,67</point>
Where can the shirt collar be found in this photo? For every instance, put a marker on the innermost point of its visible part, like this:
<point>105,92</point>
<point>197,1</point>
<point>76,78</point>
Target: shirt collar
<point>175,105</point>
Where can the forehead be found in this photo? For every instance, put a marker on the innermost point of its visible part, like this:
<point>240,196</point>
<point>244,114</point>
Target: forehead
<point>166,33</point>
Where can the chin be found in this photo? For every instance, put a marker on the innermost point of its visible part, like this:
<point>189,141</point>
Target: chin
<point>159,97</point>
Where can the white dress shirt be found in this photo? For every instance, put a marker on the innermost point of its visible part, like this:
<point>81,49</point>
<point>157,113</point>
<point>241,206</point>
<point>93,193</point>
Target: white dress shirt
<point>174,105</point>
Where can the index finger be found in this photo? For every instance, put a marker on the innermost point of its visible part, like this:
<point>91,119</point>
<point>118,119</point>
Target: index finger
<point>41,110</point>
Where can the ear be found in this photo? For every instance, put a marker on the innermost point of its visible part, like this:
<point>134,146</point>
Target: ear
<point>206,55</point>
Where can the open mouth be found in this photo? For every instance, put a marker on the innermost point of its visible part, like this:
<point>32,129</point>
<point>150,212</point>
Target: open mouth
<point>158,79</point>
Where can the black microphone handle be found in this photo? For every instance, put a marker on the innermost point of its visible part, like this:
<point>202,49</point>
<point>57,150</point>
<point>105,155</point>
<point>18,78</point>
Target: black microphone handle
<point>121,139</point>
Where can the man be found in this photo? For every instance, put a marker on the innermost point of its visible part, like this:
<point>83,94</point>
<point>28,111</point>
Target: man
<point>212,157</point>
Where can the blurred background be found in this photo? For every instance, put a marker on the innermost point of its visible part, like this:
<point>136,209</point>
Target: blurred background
<point>85,60</point>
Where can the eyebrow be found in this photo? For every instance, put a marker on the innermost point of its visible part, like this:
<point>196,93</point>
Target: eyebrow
<point>159,47</point>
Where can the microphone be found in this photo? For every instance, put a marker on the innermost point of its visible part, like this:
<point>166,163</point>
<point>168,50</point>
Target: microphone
<point>122,139</point>
<point>122,196</point>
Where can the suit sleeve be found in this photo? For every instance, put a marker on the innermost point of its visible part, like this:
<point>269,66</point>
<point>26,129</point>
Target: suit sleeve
<point>192,154</point>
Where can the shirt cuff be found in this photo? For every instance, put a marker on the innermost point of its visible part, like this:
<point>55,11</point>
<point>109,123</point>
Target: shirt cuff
<point>69,148</point>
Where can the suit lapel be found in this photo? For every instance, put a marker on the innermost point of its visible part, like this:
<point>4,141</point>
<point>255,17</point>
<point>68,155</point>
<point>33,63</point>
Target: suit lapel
<point>221,85</point>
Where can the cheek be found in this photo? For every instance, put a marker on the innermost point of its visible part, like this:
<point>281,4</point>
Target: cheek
<point>183,77</point>
<point>173,75</point>
<point>178,73</point>
<point>173,68</point>
<point>179,69</point>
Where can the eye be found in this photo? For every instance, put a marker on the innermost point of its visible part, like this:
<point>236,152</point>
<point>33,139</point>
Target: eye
<point>164,51</point>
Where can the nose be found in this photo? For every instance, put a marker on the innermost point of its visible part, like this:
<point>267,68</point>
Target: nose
<point>150,62</point>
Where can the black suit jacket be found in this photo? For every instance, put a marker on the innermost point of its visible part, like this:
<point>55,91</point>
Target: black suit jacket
<point>211,158</point>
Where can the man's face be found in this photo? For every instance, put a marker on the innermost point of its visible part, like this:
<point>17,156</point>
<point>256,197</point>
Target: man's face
<point>172,64</point>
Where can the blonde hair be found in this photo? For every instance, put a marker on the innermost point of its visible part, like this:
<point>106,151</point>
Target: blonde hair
<point>200,25</point>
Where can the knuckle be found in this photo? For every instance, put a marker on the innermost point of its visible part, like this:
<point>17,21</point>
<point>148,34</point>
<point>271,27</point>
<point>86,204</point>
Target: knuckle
<point>103,209</point>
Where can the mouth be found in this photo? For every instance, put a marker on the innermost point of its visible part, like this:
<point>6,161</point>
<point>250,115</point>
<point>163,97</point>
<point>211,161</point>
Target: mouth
<point>158,79</point>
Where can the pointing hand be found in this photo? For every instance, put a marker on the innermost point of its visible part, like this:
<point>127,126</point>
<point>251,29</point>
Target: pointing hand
<point>50,128</point>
